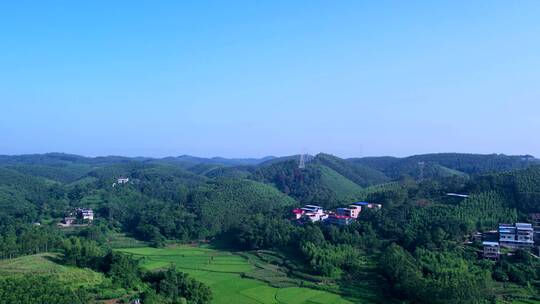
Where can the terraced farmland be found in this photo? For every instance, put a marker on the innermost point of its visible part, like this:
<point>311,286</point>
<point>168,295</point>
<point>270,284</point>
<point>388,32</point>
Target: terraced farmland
<point>222,271</point>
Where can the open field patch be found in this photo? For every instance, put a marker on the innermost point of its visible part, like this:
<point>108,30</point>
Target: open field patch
<point>43,264</point>
<point>225,273</point>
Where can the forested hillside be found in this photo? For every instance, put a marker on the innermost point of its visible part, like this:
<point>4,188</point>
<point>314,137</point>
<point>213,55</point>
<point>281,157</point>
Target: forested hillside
<point>316,183</point>
<point>466,163</point>
<point>417,246</point>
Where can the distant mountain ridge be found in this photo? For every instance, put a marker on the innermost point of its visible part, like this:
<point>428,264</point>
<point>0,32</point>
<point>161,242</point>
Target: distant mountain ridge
<point>462,162</point>
<point>342,173</point>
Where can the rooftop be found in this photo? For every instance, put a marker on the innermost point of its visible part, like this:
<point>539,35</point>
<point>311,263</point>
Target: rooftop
<point>361,203</point>
<point>340,216</point>
<point>523,225</point>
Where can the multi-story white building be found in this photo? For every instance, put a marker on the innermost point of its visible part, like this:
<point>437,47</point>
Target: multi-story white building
<point>518,235</point>
<point>313,213</point>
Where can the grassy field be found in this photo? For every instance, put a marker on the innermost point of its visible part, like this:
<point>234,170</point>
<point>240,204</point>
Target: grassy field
<point>44,264</point>
<point>223,272</point>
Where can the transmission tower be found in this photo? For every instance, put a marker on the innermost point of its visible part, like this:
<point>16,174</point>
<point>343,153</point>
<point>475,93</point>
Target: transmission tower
<point>421,167</point>
<point>302,163</point>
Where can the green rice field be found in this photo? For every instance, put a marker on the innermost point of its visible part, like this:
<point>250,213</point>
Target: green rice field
<point>222,271</point>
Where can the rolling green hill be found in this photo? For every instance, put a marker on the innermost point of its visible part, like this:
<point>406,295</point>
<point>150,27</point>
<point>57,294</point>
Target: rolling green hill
<point>317,183</point>
<point>232,200</point>
<point>522,187</point>
<point>393,167</point>
<point>359,174</point>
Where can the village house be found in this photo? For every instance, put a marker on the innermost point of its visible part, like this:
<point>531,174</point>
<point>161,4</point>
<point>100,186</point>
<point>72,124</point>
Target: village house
<point>352,211</point>
<point>368,205</point>
<point>491,250</point>
<point>313,213</point>
<point>122,180</point>
<point>341,220</point>
<point>342,216</point>
<point>515,236</point>
<point>85,214</point>
<point>67,221</point>
<point>297,213</point>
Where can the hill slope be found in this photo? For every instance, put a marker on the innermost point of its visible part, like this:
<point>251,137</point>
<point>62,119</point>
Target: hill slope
<point>233,199</point>
<point>317,183</point>
<point>393,167</point>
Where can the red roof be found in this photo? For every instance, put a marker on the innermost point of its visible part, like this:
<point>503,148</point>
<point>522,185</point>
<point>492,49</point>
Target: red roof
<point>298,211</point>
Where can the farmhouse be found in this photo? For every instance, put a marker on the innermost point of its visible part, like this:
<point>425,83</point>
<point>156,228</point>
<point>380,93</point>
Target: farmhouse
<point>68,220</point>
<point>491,250</point>
<point>122,180</point>
<point>85,214</point>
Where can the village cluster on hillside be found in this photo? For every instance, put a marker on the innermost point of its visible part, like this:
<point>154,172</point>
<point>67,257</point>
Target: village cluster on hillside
<point>341,216</point>
<point>509,236</point>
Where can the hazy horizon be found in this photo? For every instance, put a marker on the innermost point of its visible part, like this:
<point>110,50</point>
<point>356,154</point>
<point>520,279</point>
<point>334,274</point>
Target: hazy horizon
<point>251,79</point>
<point>255,157</point>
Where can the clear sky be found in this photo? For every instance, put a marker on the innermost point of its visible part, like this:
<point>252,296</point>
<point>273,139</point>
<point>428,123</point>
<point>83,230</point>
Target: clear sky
<point>254,78</point>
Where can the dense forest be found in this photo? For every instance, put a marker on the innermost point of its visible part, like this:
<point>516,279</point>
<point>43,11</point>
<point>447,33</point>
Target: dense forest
<point>421,239</point>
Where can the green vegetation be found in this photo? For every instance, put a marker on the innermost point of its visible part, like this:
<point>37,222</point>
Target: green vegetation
<point>228,275</point>
<point>415,250</point>
<point>317,184</point>
<point>46,264</point>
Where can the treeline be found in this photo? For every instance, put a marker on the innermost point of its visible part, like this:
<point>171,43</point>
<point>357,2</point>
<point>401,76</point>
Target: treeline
<point>31,289</point>
<point>164,286</point>
<point>18,238</point>
<point>435,277</point>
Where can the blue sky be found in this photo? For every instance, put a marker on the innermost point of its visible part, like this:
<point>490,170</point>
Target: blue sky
<point>254,78</point>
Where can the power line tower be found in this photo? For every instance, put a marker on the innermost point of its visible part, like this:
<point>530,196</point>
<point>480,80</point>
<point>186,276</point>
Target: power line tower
<point>302,163</point>
<point>421,166</point>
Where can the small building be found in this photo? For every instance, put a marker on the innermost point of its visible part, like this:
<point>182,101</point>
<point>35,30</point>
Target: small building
<point>368,205</point>
<point>374,206</point>
<point>69,220</point>
<point>361,204</point>
<point>122,180</point>
<point>297,213</point>
<point>535,219</point>
<point>352,211</point>
<point>492,250</point>
<point>313,213</point>
<point>85,214</point>
<point>477,237</point>
<point>341,220</point>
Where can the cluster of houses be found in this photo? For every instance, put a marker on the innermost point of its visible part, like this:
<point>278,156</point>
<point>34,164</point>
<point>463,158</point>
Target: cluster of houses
<point>511,236</point>
<point>121,180</point>
<point>85,215</point>
<point>341,216</point>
